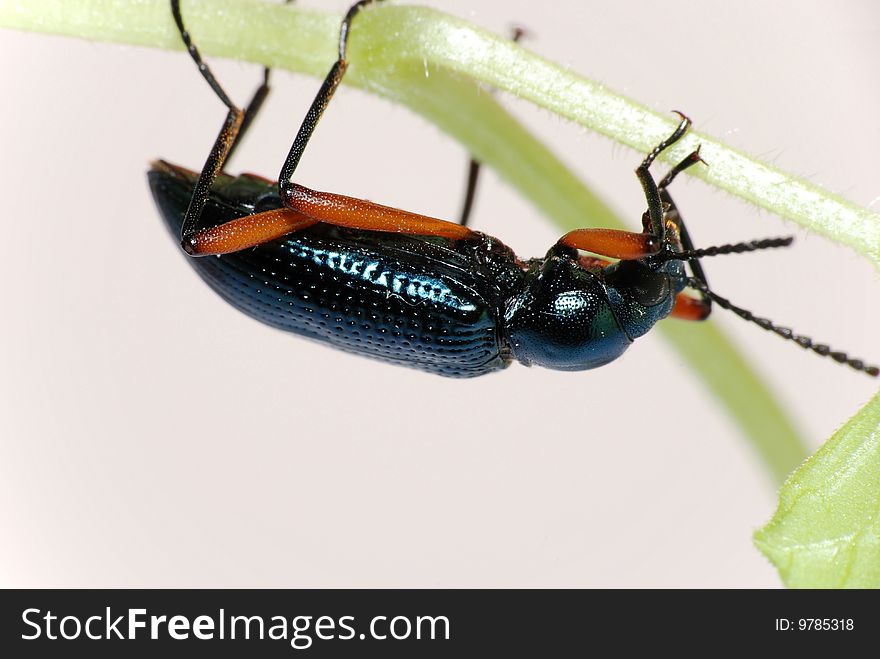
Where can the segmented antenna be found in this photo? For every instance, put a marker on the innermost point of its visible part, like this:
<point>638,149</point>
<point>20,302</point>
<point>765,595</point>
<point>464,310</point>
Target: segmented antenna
<point>736,248</point>
<point>786,333</point>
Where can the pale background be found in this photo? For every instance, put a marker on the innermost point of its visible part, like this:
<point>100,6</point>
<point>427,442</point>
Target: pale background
<point>152,436</point>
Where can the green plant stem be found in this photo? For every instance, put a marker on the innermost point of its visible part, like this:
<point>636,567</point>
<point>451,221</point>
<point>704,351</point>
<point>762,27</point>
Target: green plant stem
<point>427,61</point>
<point>389,36</point>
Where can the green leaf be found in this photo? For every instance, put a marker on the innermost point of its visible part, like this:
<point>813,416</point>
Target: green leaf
<point>826,531</point>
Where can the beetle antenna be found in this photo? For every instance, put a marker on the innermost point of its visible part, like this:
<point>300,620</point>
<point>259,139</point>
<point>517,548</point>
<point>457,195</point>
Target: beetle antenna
<point>736,248</point>
<point>806,342</point>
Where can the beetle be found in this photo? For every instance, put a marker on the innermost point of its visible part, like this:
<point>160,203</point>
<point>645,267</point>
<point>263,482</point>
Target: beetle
<point>426,293</point>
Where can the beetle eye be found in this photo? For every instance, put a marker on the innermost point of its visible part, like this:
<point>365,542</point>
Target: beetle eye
<point>638,282</point>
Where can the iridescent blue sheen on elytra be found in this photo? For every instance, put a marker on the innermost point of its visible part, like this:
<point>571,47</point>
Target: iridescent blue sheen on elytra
<point>422,302</point>
<point>458,308</point>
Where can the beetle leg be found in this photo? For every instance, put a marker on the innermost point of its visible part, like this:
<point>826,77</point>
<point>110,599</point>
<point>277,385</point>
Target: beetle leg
<point>628,245</point>
<point>612,243</point>
<point>325,93</point>
<point>225,138</point>
<point>691,308</point>
<point>260,228</point>
<point>245,232</point>
<point>222,145</point>
<point>303,208</point>
<point>690,160</point>
<point>652,195</point>
<point>473,176</point>
<point>674,215</point>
